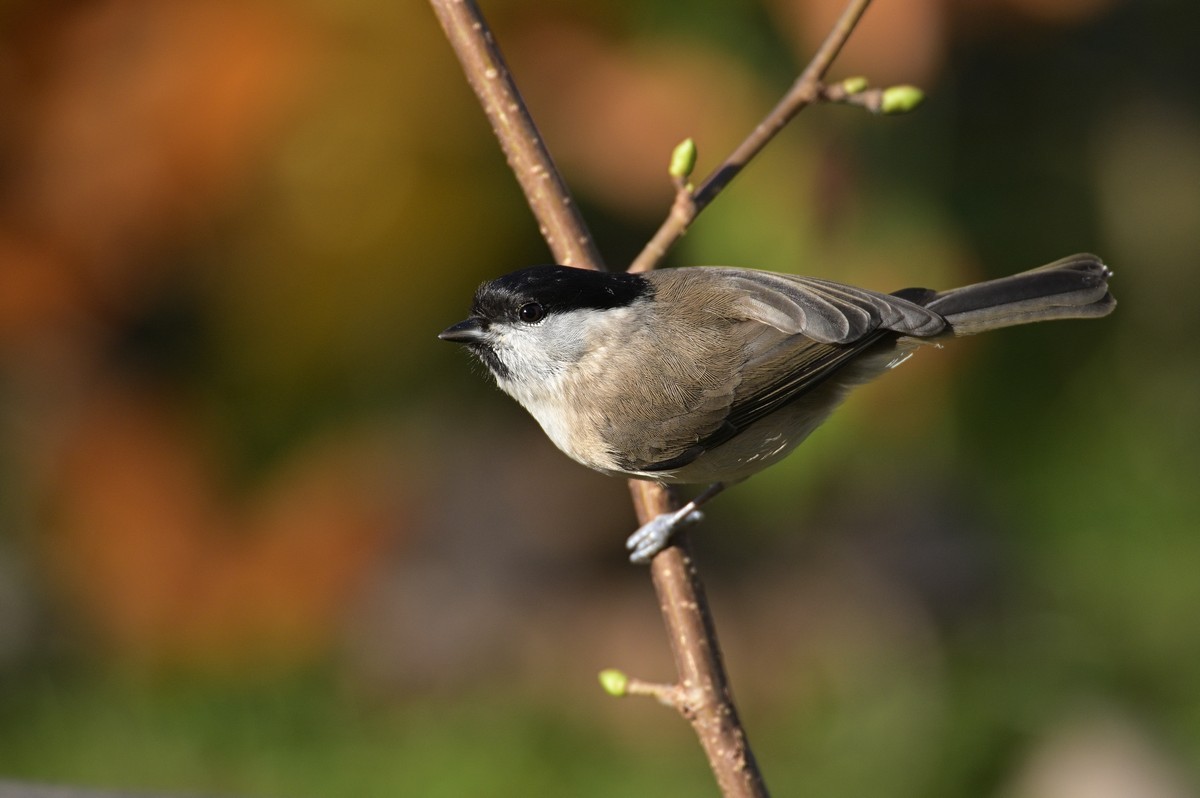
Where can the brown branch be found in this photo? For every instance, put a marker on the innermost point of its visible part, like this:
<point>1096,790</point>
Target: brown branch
<point>806,90</point>
<point>558,219</point>
<point>703,695</point>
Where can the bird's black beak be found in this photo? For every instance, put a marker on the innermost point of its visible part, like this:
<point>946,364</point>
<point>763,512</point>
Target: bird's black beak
<point>465,332</point>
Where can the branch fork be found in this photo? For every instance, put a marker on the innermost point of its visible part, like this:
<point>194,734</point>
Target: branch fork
<point>702,695</point>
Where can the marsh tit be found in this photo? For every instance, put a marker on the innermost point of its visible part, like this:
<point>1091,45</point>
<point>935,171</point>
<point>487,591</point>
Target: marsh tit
<point>706,375</point>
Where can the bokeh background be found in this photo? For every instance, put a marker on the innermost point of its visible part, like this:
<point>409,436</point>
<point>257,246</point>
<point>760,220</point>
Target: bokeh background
<point>261,533</point>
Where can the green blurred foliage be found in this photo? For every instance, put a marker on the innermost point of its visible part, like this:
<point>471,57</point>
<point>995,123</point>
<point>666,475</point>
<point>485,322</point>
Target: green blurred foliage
<point>264,535</point>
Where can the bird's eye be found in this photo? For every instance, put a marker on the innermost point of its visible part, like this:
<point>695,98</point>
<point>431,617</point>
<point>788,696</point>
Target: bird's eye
<point>531,312</point>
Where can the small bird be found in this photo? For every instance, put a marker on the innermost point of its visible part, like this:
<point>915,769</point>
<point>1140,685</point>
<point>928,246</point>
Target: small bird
<point>707,375</point>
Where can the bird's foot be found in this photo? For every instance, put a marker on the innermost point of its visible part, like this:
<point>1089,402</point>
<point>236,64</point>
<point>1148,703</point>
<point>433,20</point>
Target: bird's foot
<point>653,536</point>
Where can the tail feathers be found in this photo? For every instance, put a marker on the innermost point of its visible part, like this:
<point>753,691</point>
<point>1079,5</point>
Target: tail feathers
<point>1075,287</point>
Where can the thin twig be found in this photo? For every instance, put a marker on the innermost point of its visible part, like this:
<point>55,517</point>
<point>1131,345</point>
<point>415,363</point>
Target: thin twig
<point>806,90</point>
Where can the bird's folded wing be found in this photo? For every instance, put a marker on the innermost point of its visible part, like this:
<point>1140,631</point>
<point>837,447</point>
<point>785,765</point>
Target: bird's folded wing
<point>825,311</point>
<point>796,332</point>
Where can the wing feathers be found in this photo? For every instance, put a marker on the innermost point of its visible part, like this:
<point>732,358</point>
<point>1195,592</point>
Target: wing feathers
<point>825,311</point>
<point>793,333</point>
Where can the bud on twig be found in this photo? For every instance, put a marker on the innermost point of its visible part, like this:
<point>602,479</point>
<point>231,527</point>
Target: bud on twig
<point>900,99</point>
<point>683,160</point>
<point>614,681</point>
<point>854,85</point>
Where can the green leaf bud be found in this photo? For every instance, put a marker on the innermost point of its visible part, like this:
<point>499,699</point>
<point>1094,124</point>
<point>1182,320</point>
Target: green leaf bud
<point>900,99</point>
<point>615,682</point>
<point>683,159</point>
<point>854,85</point>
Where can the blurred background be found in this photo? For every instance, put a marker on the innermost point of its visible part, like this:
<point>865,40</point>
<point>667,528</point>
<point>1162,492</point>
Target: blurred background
<point>261,533</point>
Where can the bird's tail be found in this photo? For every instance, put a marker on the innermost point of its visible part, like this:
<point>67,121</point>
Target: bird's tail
<point>1075,287</point>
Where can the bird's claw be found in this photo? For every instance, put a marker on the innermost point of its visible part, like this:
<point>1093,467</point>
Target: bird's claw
<point>653,536</point>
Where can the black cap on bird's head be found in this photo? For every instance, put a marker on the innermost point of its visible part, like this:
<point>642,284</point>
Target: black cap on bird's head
<point>530,294</point>
<point>557,289</point>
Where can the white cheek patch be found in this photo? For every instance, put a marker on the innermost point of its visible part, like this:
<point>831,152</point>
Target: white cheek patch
<point>539,357</point>
<point>525,356</point>
<point>550,349</point>
<point>552,363</point>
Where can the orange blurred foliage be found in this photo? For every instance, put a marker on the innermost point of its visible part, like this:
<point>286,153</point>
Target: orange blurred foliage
<point>167,567</point>
<point>135,120</point>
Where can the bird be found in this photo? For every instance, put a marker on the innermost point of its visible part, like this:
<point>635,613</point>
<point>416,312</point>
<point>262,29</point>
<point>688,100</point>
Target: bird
<point>705,375</point>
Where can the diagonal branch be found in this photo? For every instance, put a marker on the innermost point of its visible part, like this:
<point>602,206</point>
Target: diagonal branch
<point>560,222</point>
<point>806,90</point>
<point>703,695</point>
<point>706,699</point>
